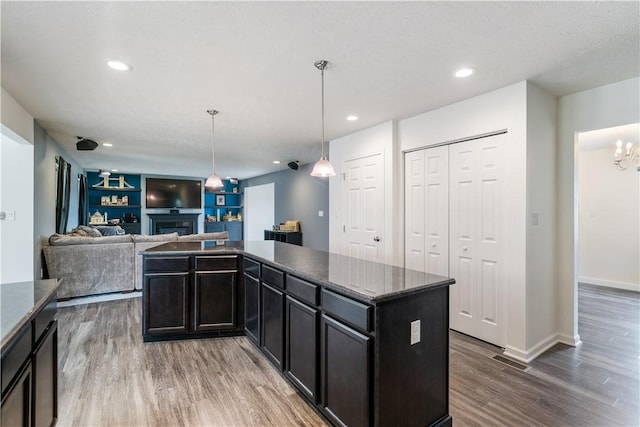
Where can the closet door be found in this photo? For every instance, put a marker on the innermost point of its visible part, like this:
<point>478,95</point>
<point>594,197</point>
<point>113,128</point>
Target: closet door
<point>427,210</point>
<point>477,207</point>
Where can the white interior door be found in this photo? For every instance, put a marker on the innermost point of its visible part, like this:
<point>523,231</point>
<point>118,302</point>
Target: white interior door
<point>477,231</point>
<point>259,210</point>
<point>427,210</point>
<point>363,199</point>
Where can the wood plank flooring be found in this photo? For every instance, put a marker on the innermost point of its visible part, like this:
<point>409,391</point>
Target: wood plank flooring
<point>109,377</point>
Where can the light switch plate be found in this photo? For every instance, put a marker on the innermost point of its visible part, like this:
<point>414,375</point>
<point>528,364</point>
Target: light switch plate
<point>320,213</point>
<point>415,332</point>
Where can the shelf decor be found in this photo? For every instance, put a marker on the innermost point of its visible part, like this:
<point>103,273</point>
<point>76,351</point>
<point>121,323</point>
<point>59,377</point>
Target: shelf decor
<point>106,183</point>
<point>221,200</point>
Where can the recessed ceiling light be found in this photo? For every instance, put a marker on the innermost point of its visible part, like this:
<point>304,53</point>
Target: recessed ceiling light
<point>114,170</point>
<point>464,72</point>
<point>119,65</point>
<point>352,118</point>
<point>107,144</point>
<point>276,162</point>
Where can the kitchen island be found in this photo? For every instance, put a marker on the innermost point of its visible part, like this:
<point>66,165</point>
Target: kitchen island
<point>365,343</point>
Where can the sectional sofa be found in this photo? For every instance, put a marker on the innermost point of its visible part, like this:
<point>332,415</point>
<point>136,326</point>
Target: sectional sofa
<point>99,265</point>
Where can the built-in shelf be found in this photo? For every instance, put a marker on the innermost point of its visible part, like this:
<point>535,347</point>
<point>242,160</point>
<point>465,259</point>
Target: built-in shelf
<point>115,206</point>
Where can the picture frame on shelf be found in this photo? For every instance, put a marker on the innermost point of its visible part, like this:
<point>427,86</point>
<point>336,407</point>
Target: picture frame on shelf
<point>220,200</point>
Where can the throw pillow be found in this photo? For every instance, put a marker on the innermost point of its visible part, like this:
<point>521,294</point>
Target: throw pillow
<point>110,230</point>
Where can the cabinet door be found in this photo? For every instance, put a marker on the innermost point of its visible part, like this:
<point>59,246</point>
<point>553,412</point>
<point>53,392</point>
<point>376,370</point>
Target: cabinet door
<point>302,347</point>
<point>166,303</point>
<point>213,227</point>
<point>346,391</point>
<point>45,379</point>
<point>16,406</point>
<point>272,323</point>
<point>214,300</point>
<point>252,308</point>
<point>235,230</point>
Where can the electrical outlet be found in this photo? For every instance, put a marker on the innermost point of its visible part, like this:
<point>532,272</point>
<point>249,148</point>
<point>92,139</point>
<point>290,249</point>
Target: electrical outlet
<point>535,218</point>
<point>415,332</point>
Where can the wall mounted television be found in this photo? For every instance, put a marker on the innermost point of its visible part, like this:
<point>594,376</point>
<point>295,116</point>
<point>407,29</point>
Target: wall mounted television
<point>174,193</point>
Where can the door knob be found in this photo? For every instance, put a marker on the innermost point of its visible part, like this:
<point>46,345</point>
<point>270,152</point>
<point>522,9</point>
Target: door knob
<point>376,239</point>
<point>433,245</point>
<point>464,249</point>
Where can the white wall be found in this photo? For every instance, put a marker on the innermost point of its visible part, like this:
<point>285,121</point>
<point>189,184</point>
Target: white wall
<point>16,200</point>
<point>541,248</point>
<point>609,221</point>
<point>15,117</point>
<point>500,109</point>
<point>606,106</point>
<point>379,139</point>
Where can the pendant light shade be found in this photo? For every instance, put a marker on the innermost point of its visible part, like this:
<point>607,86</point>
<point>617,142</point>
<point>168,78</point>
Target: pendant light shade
<point>213,182</point>
<point>323,167</point>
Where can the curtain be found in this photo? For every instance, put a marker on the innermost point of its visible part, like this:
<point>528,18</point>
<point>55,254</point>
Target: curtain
<point>63,187</point>
<point>82,199</point>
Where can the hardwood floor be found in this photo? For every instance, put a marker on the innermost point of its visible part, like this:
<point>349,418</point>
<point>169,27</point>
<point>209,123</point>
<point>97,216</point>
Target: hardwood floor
<point>108,376</point>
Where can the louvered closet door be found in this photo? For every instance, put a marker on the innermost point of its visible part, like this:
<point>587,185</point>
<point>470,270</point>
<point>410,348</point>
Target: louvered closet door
<point>477,231</point>
<point>427,210</point>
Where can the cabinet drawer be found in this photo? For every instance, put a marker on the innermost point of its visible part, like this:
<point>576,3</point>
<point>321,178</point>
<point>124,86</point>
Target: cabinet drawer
<point>272,276</point>
<point>14,357</point>
<point>213,263</point>
<point>303,290</point>
<point>166,264</point>
<point>352,312</point>
<point>251,267</point>
<point>44,319</point>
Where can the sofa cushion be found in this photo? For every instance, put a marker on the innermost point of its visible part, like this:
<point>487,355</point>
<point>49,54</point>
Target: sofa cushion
<point>65,240</point>
<point>169,237</point>
<point>221,235</point>
<point>110,230</point>
<point>84,231</point>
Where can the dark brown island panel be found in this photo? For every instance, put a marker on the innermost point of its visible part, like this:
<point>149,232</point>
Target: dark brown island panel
<point>29,346</point>
<point>366,344</point>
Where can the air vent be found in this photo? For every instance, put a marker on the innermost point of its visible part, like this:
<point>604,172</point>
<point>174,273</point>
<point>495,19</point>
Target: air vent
<point>512,363</point>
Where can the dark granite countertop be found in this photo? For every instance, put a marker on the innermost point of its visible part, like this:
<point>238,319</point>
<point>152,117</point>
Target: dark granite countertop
<point>19,304</point>
<point>364,280</point>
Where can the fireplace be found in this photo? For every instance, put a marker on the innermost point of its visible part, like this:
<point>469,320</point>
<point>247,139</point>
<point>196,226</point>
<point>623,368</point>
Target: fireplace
<point>173,223</point>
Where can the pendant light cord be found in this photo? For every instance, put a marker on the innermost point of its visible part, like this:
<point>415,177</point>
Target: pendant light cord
<point>213,139</point>
<point>322,77</point>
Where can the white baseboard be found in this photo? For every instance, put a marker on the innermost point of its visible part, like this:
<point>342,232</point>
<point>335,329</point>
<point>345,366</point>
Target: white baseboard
<point>543,345</point>
<point>99,298</point>
<point>627,286</point>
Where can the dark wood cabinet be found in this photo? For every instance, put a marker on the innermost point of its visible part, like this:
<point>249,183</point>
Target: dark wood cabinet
<point>45,379</point>
<point>272,316</point>
<point>16,403</point>
<point>214,300</point>
<point>252,308</point>
<point>166,303</point>
<point>346,358</point>
<point>302,346</point>
<point>187,296</point>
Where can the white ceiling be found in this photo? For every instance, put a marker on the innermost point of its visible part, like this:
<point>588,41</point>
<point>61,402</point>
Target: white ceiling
<point>253,61</point>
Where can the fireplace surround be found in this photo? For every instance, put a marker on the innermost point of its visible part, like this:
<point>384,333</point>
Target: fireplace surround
<point>182,224</point>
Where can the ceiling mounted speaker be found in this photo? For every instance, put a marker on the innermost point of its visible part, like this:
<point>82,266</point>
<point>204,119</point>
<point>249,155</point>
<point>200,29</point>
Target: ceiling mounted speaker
<point>293,165</point>
<point>85,144</point>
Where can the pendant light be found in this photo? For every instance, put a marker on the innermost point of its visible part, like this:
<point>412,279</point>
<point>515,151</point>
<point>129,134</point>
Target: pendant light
<point>214,182</point>
<point>322,167</point>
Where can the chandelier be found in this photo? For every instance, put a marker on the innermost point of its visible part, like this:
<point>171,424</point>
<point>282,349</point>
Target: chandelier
<point>631,155</point>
